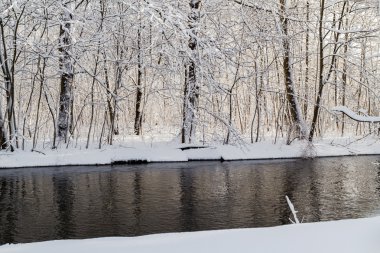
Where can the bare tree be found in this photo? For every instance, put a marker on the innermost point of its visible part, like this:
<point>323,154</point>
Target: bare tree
<point>67,71</point>
<point>139,84</point>
<point>8,58</point>
<point>3,137</point>
<point>191,91</point>
<point>291,94</point>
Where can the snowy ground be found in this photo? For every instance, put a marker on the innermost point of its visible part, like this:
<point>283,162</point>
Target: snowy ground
<point>348,236</point>
<point>140,150</point>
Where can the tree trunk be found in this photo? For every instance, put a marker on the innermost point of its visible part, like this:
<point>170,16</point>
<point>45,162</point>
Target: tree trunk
<point>118,84</point>
<point>291,95</point>
<point>191,91</point>
<point>320,78</point>
<point>92,99</point>
<point>139,94</point>
<point>42,77</point>
<point>3,137</point>
<point>110,97</point>
<point>9,92</point>
<point>307,60</point>
<point>67,73</point>
<point>344,76</point>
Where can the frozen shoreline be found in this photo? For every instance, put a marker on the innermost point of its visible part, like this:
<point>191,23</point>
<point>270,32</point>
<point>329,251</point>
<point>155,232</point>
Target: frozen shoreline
<point>141,152</point>
<point>349,236</point>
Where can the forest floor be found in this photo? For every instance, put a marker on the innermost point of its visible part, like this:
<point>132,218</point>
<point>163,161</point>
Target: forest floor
<point>140,150</point>
<point>349,236</point>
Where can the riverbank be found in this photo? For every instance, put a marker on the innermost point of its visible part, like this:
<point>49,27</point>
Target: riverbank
<point>144,151</point>
<point>349,236</point>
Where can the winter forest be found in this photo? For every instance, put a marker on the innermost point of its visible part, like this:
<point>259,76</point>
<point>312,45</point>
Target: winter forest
<point>189,126</point>
<point>208,71</point>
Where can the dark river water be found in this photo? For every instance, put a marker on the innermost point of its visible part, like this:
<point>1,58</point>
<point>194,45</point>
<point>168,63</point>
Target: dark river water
<point>85,202</point>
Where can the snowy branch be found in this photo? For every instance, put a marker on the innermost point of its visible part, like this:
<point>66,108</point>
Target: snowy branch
<point>354,116</point>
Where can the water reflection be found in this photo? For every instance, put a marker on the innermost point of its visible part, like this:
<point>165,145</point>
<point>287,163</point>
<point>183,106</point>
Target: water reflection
<point>137,202</point>
<point>188,212</point>
<point>7,203</point>
<point>64,199</point>
<point>79,202</point>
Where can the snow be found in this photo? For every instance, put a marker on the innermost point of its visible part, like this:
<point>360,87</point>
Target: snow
<point>89,157</point>
<point>6,11</point>
<point>171,152</point>
<point>294,212</point>
<point>348,236</point>
<point>348,31</point>
<point>355,116</point>
<point>360,235</point>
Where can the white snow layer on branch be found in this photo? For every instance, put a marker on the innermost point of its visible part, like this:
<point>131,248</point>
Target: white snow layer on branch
<point>354,116</point>
<point>13,6</point>
<point>352,31</point>
<point>294,212</point>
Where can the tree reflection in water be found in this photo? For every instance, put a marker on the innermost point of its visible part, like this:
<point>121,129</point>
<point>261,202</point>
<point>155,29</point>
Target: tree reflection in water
<point>84,202</point>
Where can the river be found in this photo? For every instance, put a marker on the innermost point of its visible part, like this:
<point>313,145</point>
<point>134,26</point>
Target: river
<point>38,204</point>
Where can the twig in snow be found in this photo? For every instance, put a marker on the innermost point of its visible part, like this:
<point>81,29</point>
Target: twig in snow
<point>294,212</point>
<point>33,150</point>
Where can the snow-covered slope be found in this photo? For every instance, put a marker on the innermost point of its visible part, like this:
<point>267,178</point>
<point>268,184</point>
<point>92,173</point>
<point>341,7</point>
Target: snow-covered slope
<point>348,236</point>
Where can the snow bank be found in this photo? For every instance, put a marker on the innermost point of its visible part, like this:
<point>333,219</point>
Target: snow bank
<point>348,236</point>
<point>111,155</point>
<point>169,152</point>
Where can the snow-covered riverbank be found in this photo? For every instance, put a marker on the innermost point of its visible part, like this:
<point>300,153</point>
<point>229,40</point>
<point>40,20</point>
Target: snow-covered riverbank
<point>170,152</point>
<point>348,236</point>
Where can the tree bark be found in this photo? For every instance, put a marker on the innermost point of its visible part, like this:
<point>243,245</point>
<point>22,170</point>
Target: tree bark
<point>9,92</point>
<point>324,77</point>
<point>307,61</point>
<point>320,78</point>
<point>291,95</point>
<point>139,93</point>
<point>3,137</point>
<point>67,73</point>
<point>191,91</point>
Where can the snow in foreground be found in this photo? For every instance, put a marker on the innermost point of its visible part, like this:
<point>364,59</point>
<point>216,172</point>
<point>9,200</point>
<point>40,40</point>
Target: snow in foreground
<point>359,236</point>
<point>169,152</point>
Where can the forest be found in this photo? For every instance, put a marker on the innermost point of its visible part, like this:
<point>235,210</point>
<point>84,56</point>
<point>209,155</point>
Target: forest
<point>202,71</point>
